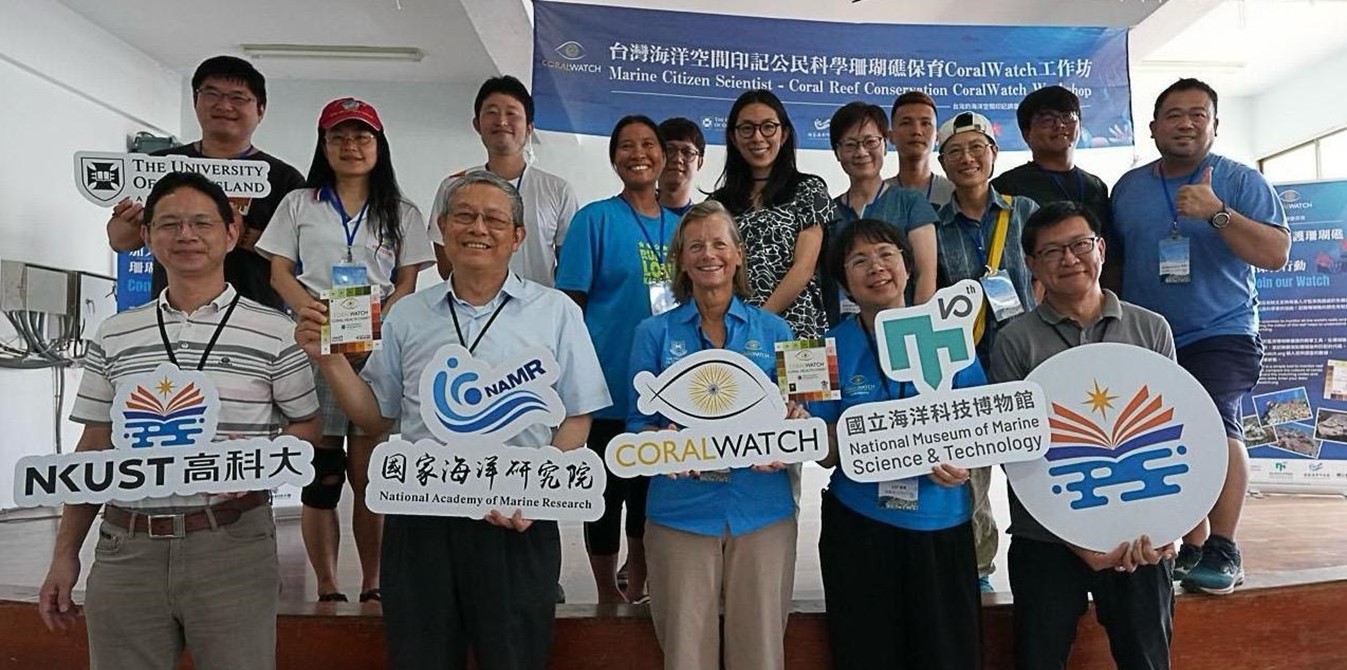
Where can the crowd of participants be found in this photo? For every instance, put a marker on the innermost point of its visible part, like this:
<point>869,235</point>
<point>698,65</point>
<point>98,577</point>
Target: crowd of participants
<point>635,282</point>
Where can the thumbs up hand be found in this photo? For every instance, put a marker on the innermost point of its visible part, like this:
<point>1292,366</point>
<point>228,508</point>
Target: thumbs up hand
<point>1197,200</point>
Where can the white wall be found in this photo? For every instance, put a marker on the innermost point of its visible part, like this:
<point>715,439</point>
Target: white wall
<point>1301,107</point>
<point>69,86</point>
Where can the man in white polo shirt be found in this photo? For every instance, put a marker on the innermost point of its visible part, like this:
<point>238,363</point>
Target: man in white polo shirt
<point>201,570</point>
<point>503,118</point>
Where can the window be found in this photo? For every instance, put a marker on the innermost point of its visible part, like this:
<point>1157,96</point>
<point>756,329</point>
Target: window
<point>1324,157</point>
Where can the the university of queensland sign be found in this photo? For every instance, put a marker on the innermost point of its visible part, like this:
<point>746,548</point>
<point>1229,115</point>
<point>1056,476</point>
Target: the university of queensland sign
<point>927,346</point>
<point>104,177</point>
<point>1137,448</point>
<point>163,443</point>
<point>474,410</point>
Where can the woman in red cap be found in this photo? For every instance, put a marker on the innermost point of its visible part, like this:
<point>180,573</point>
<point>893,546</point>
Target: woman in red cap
<point>349,226</point>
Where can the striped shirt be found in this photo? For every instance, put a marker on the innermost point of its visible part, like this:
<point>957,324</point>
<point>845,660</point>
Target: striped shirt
<point>258,370</point>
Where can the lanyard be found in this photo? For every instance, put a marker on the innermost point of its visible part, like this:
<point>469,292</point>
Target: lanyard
<point>1169,199</point>
<point>168,348</point>
<point>519,183</point>
<point>453,312</point>
<point>335,200</point>
<point>930,184</point>
<point>1061,185</point>
<point>654,248</point>
<point>973,233</point>
<point>845,200</point>
<point>884,379</point>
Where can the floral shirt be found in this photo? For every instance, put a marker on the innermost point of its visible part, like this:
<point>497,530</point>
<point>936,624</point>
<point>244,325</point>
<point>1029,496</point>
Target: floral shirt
<point>769,236</point>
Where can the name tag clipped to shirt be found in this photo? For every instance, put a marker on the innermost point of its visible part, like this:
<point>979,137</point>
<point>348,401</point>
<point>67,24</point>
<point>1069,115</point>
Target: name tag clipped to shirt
<point>661,297</point>
<point>900,494</point>
<point>714,476</point>
<point>1175,259</point>
<point>1001,295</point>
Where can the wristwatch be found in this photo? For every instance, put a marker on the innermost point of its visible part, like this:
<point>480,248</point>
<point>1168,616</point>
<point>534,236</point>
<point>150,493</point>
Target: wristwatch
<point>1220,219</point>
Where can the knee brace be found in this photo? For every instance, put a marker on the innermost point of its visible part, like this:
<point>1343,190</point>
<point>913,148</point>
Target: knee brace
<point>329,474</point>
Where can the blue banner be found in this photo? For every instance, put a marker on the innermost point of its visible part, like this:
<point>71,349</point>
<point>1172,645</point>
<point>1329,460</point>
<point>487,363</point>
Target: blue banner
<point>593,65</point>
<point>1297,415</point>
<point>135,270</point>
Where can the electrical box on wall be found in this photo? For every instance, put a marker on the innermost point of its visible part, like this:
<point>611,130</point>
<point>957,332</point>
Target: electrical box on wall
<point>34,288</point>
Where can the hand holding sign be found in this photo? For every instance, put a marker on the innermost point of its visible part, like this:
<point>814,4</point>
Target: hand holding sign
<point>1198,201</point>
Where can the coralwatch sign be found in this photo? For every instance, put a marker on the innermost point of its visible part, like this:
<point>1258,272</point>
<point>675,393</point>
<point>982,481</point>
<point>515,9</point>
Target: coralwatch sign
<point>593,65</point>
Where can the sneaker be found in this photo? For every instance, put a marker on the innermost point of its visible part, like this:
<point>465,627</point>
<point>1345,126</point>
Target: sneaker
<point>1189,555</point>
<point>1220,569</point>
<point>622,577</point>
<point>985,584</point>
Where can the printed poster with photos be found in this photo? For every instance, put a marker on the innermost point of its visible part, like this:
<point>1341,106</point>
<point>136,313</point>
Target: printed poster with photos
<point>1295,420</point>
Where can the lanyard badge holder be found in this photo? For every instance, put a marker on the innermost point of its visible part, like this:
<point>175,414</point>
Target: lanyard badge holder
<point>1002,300</point>
<point>1175,265</point>
<point>658,286</point>
<point>353,314</point>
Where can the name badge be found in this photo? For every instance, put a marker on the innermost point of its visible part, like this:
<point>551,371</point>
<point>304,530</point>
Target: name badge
<point>352,312</point>
<point>714,476</point>
<point>1175,260</point>
<point>661,297</point>
<point>1001,295</point>
<point>900,494</point>
<point>845,305</point>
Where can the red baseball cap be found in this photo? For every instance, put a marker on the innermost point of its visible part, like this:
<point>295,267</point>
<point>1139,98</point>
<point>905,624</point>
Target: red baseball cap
<point>349,109</point>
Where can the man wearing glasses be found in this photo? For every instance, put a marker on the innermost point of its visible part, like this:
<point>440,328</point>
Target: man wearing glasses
<point>1132,586</point>
<point>976,239</point>
<point>684,152</point>
<point>230,97</point>
<point>503,119</point>
<point>1049,121</point>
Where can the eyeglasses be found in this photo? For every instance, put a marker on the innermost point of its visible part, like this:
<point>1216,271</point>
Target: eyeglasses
<point>1052,119</point>
<point>358,139</point>
<point>868,143</point>
<point>686,153</point>
<point>467,218</point>
<point>976,150</point>
<point>767,128</point>
<point>212,96</point>
<point>1079,248</point>
<point>174,225</point>
<point>886,258</point>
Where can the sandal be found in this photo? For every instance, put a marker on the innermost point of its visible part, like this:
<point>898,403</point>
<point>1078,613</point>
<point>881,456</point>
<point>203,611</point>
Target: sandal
<point>372,595</point>
<point>334,597</point>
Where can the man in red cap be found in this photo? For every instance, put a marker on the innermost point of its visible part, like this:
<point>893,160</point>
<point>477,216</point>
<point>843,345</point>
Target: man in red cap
<point>230,97</point>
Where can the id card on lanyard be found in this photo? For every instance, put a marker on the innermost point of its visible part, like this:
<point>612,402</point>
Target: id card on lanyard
<point>1175,252</point>
<point>1002,300</point>
<point>353,314</point>
<point>658,286</point>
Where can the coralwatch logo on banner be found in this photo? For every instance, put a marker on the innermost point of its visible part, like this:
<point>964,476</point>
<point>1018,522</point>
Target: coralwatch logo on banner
<point>464,400</point>
<point>1136,447</point>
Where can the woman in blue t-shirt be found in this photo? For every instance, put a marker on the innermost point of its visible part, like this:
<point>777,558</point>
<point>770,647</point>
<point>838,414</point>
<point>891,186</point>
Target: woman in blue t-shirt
<point>899,566</point>
<point>613,264</point>
<point>728,533</point>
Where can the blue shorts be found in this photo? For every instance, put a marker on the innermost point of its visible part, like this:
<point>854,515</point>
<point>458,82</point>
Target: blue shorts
<point>1227,366</point>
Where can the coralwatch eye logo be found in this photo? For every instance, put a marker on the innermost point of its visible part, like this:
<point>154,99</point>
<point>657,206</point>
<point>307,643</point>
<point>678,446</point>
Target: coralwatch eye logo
<point>709,386</point>
<point>1137,447</point>
<point>928,344</point>
<point>464,400</point>
<point>166,408</point>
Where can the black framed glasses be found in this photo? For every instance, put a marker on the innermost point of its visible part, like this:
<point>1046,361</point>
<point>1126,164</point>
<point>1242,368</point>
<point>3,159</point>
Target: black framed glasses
<point>1078,248</point>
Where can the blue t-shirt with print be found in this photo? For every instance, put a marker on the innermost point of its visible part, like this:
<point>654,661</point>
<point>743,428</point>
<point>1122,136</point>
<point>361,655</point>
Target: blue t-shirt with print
<point>749,500</point>
<point>938,507</point>
<point>1220,298</point>
<point>612,254</point>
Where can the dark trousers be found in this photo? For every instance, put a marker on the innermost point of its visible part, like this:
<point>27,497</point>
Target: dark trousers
<point>899,598</point>
<point>604,537</point>
<point>451,583</point>
<point>1050,584</point>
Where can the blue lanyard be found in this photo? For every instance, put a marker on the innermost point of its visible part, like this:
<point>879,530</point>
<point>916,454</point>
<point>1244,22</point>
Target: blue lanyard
<point>330,194</point>
<point>884,379</point>
<point>654,248</point>
<point>973,233</point>
<point>845,201</point>
<point>1061,185</point>
<point>1169,199</point>
<point>930,183</point>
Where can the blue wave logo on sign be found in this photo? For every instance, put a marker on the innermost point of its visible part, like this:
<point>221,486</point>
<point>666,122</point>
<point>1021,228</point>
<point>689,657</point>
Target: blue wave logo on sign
<point>1142,446</point>
<point>464,398</point>
<point>164,416</point>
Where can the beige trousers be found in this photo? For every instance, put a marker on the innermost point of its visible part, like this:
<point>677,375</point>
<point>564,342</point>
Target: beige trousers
<point>985,535</point>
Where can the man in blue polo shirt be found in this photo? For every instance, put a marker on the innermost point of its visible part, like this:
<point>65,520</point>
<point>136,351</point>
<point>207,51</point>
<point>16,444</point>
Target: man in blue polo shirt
<point>1193,226</point>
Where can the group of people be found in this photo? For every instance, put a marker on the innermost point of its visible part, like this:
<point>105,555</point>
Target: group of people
<point>636,282</point>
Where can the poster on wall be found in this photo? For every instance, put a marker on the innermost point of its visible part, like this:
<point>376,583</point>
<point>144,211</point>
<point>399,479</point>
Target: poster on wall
<point>595,64</point>
<point>1295,420</point>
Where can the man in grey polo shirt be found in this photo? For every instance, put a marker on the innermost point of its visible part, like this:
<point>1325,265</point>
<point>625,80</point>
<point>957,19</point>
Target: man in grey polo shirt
<point>197,571</point>
<point>1132,586</point>
<point>450,584</point>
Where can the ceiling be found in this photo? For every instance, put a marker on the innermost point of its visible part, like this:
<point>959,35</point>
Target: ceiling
<point>1240,46</point>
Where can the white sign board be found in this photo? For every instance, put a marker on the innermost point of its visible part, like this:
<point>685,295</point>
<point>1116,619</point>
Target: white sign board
<point>473,409</point>
<point>104,178</point>
<point>734,414</point>
<point>1137,448</point>
<point>163,426</point>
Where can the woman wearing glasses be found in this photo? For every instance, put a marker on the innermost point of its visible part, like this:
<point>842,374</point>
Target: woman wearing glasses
<point>350,225</point>
<point>613,263</point>
<point>857,131</point>
<point>779,210</point>
<point>899,571</point>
